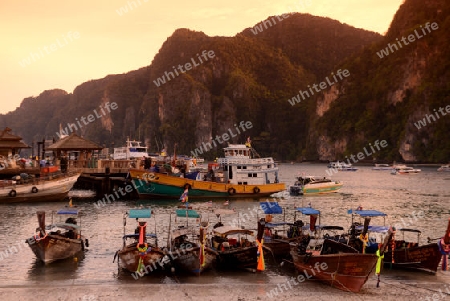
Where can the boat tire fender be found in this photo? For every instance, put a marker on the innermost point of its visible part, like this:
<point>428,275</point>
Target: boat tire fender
<point>256,190</point>
<point>12,193</point>
<point>34,189</point>
<point>187,186</point>
<point>231,191</point>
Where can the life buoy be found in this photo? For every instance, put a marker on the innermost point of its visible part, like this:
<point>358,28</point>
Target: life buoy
<point>187,186</point>
<point>256,190</point>
<point>12,193</point>
<point>231,191</point>
<point>34,189</point>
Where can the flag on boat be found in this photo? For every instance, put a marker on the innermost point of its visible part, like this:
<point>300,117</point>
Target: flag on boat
<point>226,203</point>
<point>184,196</point>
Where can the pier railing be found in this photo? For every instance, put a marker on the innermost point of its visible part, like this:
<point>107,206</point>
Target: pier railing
<point>102,166</point>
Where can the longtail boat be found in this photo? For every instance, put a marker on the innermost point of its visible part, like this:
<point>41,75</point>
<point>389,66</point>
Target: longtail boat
<point>240,173</point>
<point>341,265</point>
<point>142,255</point>
<point>400,253</point>
<point>59,240</point>
<point>188,248</point>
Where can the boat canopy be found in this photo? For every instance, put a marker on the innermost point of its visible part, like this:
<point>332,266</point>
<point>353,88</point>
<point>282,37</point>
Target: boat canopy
<point>68,211</point>
<point>376,229</point>
<point>139,213</point>
<point>65,226</point>
<point>271,208</point>
<point>366,213</point>
<point>308,210</point>
<point>187,213</point>
<point>229,230</point>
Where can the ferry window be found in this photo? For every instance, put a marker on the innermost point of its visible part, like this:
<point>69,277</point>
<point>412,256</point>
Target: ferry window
<point>225,167</point>
<point>249,175</point>
<point>239,183</point>
<point>254,175</point>
<point>244,167</point>
<point>238,167</point>
<point>245,183</point>
<point>268,166</point>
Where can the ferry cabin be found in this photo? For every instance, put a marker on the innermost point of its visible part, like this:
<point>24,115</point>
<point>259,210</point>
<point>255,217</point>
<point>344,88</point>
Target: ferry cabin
<point>239,167</point>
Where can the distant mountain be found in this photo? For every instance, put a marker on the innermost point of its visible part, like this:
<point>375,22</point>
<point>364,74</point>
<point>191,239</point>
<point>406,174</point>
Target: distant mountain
<point>198,87</point>
<point>396,89</point>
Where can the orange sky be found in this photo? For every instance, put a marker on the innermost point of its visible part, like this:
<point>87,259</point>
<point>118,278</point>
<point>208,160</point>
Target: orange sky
<point>60,44</point>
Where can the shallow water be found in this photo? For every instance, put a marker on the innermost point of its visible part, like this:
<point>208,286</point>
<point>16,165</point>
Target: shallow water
<point>419,201</point>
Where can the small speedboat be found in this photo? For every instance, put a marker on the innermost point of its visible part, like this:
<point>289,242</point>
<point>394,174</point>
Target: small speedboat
<point>444,168</point>
<point>342,166</point>
<point>382,167</point>
<point>404,170</point>
<point>308,185</point>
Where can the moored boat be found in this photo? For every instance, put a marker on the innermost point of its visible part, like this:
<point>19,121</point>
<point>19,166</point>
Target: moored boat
<point>336,264</point>
<point>50,186</point>
<point>400,253</point>
<point>132,150</point>
<point>142,255</point>
<point>382,167</point>
<point>60,240</point>
<point>311,185</point>
<point>402,169</point>
<point>242,174</point>
<point>235,250</point>
<point>342,166</point>
<point>194,253</point>
<point>444,168</point>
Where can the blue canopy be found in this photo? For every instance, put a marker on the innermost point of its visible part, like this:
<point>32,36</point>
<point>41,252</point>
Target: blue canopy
<point>271,207</point>
<point>140,213</point>
<point>366,213</point>
<point>68,211</point>
<point>308,210</point>
<point>190,213</point>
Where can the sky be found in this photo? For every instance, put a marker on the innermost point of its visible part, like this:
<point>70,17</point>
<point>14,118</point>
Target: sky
<point>49,44</point>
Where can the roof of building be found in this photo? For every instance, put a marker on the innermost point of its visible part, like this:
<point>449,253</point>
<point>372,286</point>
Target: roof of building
<point>74,142</point>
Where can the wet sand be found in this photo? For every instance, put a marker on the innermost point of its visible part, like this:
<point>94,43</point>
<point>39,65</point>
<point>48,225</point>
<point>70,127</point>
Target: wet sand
<point>394,286</point>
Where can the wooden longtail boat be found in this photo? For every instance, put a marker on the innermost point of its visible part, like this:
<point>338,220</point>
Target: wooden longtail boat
<point>142,255</point>
<point>242,174</point>
<point>234,254</point>
<point>190,254</point>
<point>400,253</point>
<point>50,243</point>
<point>341,266</point>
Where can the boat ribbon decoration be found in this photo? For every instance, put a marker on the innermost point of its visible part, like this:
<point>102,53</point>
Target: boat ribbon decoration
<point>142,247</point>
<point>365,241</point>
<point>379,263</point>
<point>260,254</point>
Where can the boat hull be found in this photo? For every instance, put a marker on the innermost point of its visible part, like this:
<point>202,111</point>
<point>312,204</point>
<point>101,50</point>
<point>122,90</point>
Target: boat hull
<point>314,189</point>
<point>347,271</point>
<point>425,258</point>
<point>44,190</point>
<point>152,261</point>
<point>277,249</point>
<point>54,247</point>
<point>240,258</point>
<point>189,260</point>
<point>162,185</point>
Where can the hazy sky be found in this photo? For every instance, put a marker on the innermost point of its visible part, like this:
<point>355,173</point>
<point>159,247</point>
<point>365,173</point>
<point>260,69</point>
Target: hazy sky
<point>51,44</point>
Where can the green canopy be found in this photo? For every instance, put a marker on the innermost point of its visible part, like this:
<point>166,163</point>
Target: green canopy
<point>190,213</point>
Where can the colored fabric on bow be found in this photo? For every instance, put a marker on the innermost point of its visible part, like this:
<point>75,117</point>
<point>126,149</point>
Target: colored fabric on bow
<point>260,255</point>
